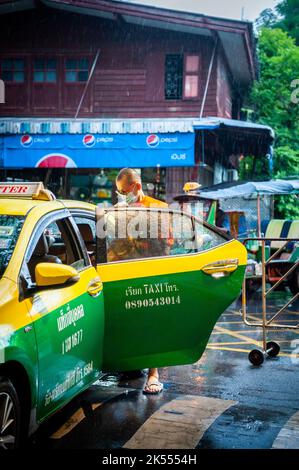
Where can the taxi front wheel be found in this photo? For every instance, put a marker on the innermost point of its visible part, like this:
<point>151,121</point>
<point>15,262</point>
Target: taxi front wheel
<point>10,415</point>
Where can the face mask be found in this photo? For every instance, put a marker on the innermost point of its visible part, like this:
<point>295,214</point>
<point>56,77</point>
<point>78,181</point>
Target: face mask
<point>122,199</point>
<point>128,198</point>
<point>131,198</point>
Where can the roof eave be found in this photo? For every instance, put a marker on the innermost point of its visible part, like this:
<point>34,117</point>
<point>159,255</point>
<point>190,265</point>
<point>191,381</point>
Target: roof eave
<point>164,19</point>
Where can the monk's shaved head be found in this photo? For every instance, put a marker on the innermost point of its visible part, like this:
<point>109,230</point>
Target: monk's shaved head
<point>129,181</point>
<point>128,175</point>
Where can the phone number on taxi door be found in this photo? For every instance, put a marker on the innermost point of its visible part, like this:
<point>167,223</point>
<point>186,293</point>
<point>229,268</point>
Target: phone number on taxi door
<point>158,302</point>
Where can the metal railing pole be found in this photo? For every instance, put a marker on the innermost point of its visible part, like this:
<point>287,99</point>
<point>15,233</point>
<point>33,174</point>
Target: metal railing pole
<point>264,323</point>
<point>244,299</point>
<point>264,301</point>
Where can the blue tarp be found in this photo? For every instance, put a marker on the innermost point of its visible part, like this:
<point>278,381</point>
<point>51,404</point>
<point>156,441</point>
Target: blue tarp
<point>254,188</point>
<point>97,150</point>
<point>211,123</point>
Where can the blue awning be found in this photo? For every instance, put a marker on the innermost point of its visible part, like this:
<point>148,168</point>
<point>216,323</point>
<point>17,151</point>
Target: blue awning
<point>253,188</point>
<point>97,150</point>
<point>40,126</point>
<point>211,123</point>
<point>115,143</point>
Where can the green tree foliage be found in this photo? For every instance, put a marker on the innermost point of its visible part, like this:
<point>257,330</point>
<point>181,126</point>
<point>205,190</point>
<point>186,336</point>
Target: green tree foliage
<point>267,19</point>
<point>271,95</point>
<point>286,163</point>
<point>271,99</point>
<point>255,169</point>
<point>289,10</point>
<point>284,16</point>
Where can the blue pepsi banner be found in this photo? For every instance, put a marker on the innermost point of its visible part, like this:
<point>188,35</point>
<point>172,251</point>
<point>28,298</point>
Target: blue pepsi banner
<point>97,150</point>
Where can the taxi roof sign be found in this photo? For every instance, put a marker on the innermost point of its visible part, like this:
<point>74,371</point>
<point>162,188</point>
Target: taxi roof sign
<point>26,190</point>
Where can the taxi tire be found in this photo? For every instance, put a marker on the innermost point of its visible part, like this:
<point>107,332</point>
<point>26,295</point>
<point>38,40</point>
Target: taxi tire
<point>7,387</point>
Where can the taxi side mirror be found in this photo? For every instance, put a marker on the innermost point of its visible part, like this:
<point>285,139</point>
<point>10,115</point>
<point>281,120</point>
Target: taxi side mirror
<point>52,274</point>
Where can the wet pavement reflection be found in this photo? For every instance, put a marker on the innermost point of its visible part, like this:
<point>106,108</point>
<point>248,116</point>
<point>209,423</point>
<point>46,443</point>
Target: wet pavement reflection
<point>222,401</point>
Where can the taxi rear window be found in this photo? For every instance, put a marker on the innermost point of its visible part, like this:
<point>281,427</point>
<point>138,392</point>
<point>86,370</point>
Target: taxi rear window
<point>10,228</point>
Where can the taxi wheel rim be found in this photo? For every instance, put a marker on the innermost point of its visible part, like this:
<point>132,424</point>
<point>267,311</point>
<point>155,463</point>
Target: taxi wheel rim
<point>7,421</point>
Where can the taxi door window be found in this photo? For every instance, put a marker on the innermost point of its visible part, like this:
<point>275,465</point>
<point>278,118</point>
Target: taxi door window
<point>87,229</point>
<point>136,234</point>
<point>206,238</point>
<point>147,233</point>
<point>57,243</point>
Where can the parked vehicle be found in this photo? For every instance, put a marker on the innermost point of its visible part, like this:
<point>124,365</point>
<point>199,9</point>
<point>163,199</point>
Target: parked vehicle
<point>77,300</point>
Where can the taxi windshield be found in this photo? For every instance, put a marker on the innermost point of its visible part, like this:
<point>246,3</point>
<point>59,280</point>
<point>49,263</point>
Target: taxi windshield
<point>10,227</point>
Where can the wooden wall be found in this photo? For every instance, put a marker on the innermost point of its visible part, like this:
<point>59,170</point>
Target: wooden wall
<point>129,78</point>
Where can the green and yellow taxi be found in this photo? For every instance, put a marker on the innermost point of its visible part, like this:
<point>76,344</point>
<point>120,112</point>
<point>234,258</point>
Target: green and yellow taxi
<point>80,295</point>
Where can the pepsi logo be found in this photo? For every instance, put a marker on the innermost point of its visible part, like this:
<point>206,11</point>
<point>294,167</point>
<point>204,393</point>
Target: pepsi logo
<point>26,140</point>
<point>56,160</point>
<point>152,140</point>
<point>89,140</point>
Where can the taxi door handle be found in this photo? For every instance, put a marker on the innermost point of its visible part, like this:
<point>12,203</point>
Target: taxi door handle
<point>95,288</point>
<point>221,268</point>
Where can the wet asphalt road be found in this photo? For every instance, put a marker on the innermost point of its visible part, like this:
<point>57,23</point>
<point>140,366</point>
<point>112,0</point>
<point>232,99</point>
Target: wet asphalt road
<point>221,402</point>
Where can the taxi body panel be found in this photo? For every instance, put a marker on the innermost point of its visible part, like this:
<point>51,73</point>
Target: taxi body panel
<point>171,304</point>
<point>69,329</point>
<point>151,312</point>
<point>169,299</point>
<point>51,332</point>
<point>16,343</point>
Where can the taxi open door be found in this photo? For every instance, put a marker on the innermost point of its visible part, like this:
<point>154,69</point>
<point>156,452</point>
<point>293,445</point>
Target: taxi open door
<point>167,278</point>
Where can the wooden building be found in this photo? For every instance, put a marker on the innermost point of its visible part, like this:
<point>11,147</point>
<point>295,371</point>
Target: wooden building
<point>70,64</point>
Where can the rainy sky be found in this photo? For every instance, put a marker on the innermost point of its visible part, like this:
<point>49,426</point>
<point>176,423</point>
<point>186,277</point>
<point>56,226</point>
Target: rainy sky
<point>222,8</point>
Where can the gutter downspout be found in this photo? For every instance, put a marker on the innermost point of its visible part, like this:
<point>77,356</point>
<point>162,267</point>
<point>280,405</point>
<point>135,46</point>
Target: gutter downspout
<point>208,79</point>
<point>87,83</point>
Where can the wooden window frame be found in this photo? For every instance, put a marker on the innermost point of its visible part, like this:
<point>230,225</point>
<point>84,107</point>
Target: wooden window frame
<point>76,58</point>
<point>44,70</point>
<point>28,86</point>
<point>185,74</point>
<point>182,77</point>
<point>191,74</point>
<point>13,58</point>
